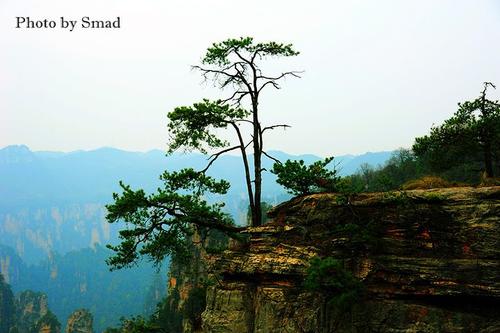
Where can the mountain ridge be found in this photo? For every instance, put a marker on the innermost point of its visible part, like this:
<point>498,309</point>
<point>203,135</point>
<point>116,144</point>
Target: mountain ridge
<point>46,195</point>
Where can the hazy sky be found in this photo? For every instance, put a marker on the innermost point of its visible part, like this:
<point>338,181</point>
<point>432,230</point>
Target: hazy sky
<point>377,73</point>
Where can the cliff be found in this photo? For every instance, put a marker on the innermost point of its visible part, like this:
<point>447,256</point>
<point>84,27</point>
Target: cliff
<point>427,260</point>
<point>7,309</point>
<point>47,324</point>
<point>187,286</point>
<point>80,321</point>
<point>27,313</point>
<point>31,308</point>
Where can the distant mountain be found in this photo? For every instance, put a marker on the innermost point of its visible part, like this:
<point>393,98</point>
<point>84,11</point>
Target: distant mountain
<point>53,201</point>
<point>349,164</point>
<point>81,279</point>
<point>52,220</point>
<point>31,179</point>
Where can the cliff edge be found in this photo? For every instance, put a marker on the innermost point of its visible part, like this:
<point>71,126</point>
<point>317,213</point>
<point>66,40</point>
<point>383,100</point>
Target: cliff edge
<point>428,260</point>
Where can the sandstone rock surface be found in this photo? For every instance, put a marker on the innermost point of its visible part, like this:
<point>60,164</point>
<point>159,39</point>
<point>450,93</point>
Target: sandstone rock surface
<point>429,260</point>
<point>31,307</point>
<point>80,321</point>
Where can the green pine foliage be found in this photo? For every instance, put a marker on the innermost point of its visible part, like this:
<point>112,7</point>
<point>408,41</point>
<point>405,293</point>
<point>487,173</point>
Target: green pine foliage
<point>328,277</point>
<point>463,150</point>
<point>193,127</point>
<point>470,139</point>
<point>161,224</point>
<point>136,324</point>
<point>402,167</point>
<point>220,53</point>
<point>301,179</point>
<point>233,65</point>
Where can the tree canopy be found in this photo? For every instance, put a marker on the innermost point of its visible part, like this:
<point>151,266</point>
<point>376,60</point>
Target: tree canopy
<point>162,223</point>
<point>300,179</point>
<point>192,127</point>
<point>234,65</point>
<point>471,136</point>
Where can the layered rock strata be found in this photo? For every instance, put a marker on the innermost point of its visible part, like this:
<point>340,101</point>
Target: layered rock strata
<point>429,261</point>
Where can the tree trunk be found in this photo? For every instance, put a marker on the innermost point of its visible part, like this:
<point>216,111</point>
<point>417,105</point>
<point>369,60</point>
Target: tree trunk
<point>257,153</point>
<point>488,160</point>
<point>248,179</point>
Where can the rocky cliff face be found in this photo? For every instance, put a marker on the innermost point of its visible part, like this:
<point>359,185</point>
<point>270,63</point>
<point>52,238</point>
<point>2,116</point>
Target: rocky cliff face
<point>428,260</point>
<point>80,321</point>
<point>27,313</point>
<point>187,285</point>
<point>7,309</point>
<point>47,324</point>
<point>31,307</point>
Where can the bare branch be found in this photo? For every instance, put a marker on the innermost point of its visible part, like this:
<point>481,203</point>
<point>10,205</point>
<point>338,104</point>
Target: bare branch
<point>272,80</point>
<point>236,78</point>
<point>215,156</point>
<point>219,71</point>
<point>255,55</point>
<point>245,82</point>
<point>275,85</point>
<point>272,158</point>
<point>486,84</point>
<point>243,58</point>
<point>242,121</point>
<point>237,96</point>
<point>292,73</point>
<point>203,223</point>
<point>248,144</point>
<point>206,71</point>
<point>275,126</point>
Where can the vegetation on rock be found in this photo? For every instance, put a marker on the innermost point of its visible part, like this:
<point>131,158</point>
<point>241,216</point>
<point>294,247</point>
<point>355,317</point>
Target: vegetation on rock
<point>162,223</point>
<point>233,64</point>
<point>471,136</point>
<point>426,182</point>
<point>332,280</point>
<point>434,271</point>
<point>30,307</point>
<point>7,309</point>
<point>48,323</point>
<point>165,223</point>
<point>80,321</point>
<point>300,179</point>
<point>463,150</point>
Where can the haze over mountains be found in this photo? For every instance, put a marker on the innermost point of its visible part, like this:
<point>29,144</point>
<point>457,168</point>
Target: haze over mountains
<point>30,178</point>
<point>52,214</point>
<point>53,201</point>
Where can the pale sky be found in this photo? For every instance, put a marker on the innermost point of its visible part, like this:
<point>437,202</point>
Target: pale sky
<point>377,73</point>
